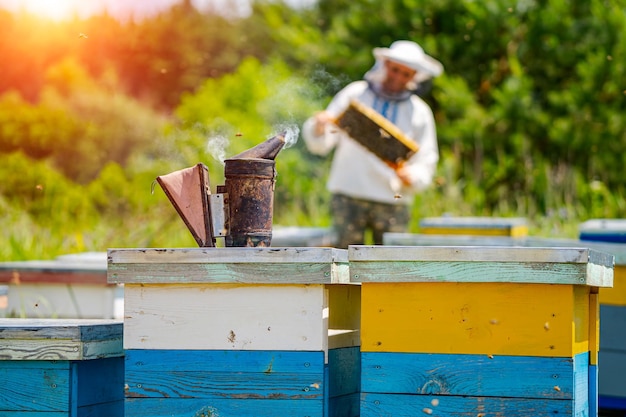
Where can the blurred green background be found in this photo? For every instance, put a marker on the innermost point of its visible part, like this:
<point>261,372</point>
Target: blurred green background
<point>530,112</point>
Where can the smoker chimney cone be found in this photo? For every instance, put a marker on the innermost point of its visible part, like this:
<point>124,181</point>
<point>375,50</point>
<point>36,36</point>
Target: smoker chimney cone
<point>265,150</point>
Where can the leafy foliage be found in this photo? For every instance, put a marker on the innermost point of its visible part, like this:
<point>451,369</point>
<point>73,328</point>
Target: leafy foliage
<point>529,112</point>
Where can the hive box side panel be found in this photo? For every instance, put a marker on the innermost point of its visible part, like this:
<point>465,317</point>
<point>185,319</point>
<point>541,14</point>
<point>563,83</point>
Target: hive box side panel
<point>473,375</point>
<point>466,318</point>
<point>617,294</point>
<point>101,382</point>
<point>215,316</point>
<point>399,405</point>
<point>249,375</point>
<point>179,407</point>
<point>82,301</point>
<point>611,371</point>
<point>612,325</point>
<point>35,386</point>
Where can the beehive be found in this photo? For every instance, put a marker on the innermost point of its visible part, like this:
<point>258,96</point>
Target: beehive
<point>474,226</point>
<point>479,330</point>
<point>376,133</point>
<point>61,367</point>
<point>234,332</point>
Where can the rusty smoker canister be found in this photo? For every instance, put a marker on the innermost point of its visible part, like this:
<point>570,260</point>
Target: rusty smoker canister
<point>249,183</point>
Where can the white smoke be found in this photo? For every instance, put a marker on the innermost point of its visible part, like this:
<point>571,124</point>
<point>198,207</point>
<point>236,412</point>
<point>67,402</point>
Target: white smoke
<point>291,131</point>
<point>216,147</point>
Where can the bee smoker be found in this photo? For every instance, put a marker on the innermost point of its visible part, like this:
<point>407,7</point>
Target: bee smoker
<point>241,210</point>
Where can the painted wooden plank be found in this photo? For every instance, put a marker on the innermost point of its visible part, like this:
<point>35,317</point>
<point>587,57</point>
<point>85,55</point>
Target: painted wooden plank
<point>344,371</point>
<point>485,318</point>
<point>100,382</point>
<point>611,371</point>
<point>77,329</point>
<point>168,383</point>
<point>480,264</point>
<point>593,390</point>
<point>472,375</point>
<point>200,407</point>
<point>581,255</point>
<point>223,361</point>
<point>224,273</point>
<point>583,393</point>
<point>40,339</point>
<point>617,294</point>
<point>43,386</point>
<point>224,316</point>
<point>112,409</point>
<point>9,413</point>
<point>344,315</point>
<point>345,406</point>
<point>60,301</point>
<point>229,265</point>
<point>399,405</point>
<point>238,375</point>
<point>612,325</point>
<point>618,250</point>
<point>594,326</point>
<point>256,255</point>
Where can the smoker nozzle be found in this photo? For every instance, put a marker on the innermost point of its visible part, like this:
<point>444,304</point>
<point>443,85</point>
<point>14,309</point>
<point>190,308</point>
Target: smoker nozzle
<point>265,150</point>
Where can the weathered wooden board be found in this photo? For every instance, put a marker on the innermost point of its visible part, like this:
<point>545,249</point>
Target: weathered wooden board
<point>200,407</point>
<point>61,301</point>
<point>344,376</point>
<point>221,316</point>
<point>60,339</point>
<point>286,375</point>
<point>474,226</point>
<point>43,386</point>
<point>229,265</point>
<point>238,382</point>
<point>69,388</point>
<point>61,367</point>
<point>473,375</point>
<point>400,405</point>
<point>570,266</point>
<point>470,318</point>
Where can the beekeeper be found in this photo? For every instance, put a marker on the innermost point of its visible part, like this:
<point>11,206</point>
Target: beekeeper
<point>368,193</point>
